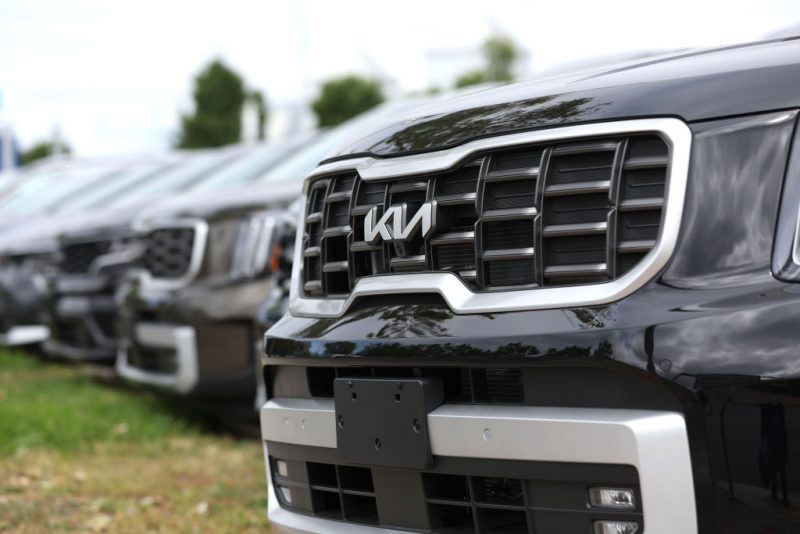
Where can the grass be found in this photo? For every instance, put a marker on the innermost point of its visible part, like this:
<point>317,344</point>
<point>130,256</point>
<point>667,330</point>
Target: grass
<point>77,455</point>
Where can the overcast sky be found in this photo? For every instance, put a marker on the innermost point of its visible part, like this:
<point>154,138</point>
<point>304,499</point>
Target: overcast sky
<point>114,75</point>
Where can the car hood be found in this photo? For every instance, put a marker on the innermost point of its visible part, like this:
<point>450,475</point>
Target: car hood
<point>692,85</point>
<point>225,203</point>
<point>43,233</point>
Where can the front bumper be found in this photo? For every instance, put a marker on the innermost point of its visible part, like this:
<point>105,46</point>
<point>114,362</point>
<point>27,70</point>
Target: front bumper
<point>655,443</point>
<point>197,341</point>
<point>82,327</point>
<point>179,345</point>
<point>24,335</point>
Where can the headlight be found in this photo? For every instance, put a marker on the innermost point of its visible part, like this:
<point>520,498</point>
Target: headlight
<point>252,249</point>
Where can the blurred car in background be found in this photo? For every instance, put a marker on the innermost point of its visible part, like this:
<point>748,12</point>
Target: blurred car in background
<point>96,249</point>
<point>27,243</point>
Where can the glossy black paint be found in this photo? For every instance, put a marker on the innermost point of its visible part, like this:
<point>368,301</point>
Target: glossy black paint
<point>693,86</point>
<point>715,331</point>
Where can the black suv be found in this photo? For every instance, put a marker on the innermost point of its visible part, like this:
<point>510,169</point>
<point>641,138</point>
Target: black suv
<point>566,306</point>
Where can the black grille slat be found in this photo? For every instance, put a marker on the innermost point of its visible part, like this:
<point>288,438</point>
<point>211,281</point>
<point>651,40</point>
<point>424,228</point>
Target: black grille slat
<point>455,257</point>
<point>513,194</point>
<point>543,215</point>
<point>168,252</point>
<point>501,235</point>
<point>510,273</point>
<point>462,181</point>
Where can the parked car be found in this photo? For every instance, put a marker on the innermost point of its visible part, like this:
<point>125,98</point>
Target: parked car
<point>560,306</point>
<point>97,249</point>
<point>28,248</point>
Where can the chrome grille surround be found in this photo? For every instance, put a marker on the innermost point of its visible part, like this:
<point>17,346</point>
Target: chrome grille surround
<point>194,261</point>
<point>457,289</point>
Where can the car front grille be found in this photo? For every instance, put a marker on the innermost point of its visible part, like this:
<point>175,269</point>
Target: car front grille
<point>77,258</point>
<point>544,215</point>
<point>168,252</point>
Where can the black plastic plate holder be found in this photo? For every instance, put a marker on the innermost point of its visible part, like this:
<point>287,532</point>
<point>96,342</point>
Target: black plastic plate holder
<point>384,422</point>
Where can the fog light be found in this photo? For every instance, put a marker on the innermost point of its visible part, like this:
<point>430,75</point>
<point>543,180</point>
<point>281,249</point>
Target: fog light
<point>286,493</point>
<point>615,527</point>
<point>619,498</point>
<point>283,469</point>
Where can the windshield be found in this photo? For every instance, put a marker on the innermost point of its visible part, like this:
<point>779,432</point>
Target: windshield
<point>247,168</point>
<point>110,191</point>
<point>303,161</point>
<point>184,175</point>
<point>43,190</point>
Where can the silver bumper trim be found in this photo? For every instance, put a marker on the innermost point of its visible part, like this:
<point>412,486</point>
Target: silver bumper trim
<point>24,335</point>
<point>181,339</point>
<point>654,442</point>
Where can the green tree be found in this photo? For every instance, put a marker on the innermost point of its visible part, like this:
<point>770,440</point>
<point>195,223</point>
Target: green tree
<point>43,150</point>
<point>473,77</point>
<point>219,94</point>
<point>345,97</point>
<point>499,54</point>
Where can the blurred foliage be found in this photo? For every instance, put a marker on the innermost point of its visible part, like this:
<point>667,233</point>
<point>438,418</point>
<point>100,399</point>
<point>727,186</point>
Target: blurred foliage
<point>345,97</point>
<point>219,94</point>
<point>473,77</point>
<point>500,54</point>
<point>43,150</point>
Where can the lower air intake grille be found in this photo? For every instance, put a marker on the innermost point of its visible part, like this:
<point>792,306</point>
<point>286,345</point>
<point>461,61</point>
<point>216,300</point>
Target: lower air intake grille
<point>465,496</point>
<point>168,252</point>
<point>577,212</point>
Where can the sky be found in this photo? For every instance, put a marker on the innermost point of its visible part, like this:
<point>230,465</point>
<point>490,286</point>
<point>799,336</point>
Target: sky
<point>114,76</point>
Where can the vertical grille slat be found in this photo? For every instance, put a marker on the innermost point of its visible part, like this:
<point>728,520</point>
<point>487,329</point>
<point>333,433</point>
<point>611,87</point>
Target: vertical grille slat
<point>543,215</point>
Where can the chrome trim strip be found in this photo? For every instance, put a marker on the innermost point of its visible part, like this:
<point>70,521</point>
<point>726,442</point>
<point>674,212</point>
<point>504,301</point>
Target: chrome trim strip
<point>181,339</point>
<point>24,335</point>
<point>655,442</point>
<point>457,295</point>
<point>150,283</point>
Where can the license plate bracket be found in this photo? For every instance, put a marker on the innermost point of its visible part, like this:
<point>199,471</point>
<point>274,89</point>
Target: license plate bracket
<point>384,422</point>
